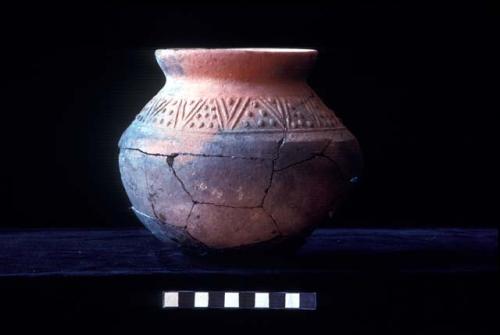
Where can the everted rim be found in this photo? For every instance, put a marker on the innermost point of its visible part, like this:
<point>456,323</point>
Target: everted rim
<point>243,50</point>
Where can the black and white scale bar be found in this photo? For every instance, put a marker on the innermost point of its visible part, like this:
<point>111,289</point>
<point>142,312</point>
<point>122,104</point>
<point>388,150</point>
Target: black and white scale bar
<point>240,300</point>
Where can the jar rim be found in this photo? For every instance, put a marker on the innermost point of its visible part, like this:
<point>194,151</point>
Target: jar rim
<point>256,50</point>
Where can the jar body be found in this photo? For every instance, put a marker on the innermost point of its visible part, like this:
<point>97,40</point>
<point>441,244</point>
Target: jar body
<point>224,164</point>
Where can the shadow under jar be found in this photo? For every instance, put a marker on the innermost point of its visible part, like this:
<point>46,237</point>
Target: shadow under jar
<point>236,151</point>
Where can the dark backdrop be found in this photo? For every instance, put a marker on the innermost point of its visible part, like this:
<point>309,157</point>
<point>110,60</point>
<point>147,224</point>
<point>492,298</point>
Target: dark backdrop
<point>409,81</point>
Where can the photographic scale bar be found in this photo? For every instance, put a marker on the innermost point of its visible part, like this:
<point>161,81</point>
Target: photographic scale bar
<point>239,300</point>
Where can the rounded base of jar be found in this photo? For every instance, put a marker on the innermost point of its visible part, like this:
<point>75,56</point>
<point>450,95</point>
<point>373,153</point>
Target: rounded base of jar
<point>279,246</point>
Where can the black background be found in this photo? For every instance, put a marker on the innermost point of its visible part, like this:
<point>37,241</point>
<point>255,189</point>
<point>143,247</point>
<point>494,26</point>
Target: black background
<point>413,82</point>
<point>410,81</point>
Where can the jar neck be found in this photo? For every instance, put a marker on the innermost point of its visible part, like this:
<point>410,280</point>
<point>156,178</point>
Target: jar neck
<point>244,65</point>
<point>214,88</point>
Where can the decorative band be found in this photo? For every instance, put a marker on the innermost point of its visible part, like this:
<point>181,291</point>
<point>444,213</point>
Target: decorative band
<point>239,300</point>
<point>237,114</point>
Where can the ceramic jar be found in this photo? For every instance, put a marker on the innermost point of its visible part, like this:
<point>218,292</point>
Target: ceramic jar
<point>236,150</point>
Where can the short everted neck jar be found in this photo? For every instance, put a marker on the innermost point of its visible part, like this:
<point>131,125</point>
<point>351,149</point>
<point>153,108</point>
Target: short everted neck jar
<point>236,150</point>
